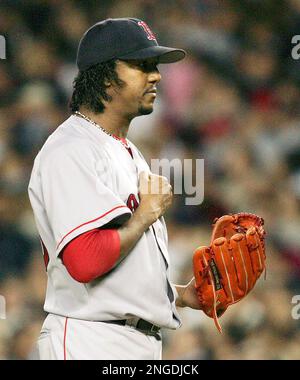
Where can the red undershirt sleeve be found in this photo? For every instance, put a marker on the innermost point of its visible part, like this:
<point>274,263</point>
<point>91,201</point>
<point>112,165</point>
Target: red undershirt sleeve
<point>91,254</point>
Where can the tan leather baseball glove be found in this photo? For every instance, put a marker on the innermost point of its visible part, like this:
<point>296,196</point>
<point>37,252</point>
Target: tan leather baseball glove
<point>228,269</point>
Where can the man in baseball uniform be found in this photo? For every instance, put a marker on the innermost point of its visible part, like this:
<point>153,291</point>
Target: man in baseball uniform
<point>99,210</point>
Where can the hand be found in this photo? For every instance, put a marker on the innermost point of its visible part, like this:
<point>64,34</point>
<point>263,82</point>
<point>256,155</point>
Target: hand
<point>187,296</point>
<point>155,194</point>
<point>228,269</point>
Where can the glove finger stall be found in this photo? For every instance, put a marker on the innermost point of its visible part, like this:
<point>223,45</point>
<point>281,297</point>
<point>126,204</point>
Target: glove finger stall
<point>226,269</point>
<point>201,255</point>
<point>256,252</point>
<point>242,262</point>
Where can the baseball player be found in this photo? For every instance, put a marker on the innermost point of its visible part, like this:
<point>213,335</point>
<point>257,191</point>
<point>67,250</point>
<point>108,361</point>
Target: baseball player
<point>100,222</point>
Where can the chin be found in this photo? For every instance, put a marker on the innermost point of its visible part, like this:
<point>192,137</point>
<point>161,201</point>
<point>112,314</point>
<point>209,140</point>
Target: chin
<point>145,110</point>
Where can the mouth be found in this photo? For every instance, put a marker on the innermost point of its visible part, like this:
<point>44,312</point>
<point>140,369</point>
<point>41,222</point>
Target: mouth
<point>152,94</point>
<point>152,91</point>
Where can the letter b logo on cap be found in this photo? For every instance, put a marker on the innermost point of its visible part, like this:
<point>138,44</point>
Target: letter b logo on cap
<point>150,34</point>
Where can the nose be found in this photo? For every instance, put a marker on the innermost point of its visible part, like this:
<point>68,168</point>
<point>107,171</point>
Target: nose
<point>154,76</point>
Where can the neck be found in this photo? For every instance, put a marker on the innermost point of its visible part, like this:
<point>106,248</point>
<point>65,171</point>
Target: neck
<point>112,121</point>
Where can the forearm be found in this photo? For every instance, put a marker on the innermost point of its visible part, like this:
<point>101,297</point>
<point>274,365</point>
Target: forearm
<point>131,232</point>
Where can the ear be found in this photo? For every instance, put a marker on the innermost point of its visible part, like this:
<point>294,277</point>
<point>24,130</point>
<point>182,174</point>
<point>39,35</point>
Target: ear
<point>107,83</point>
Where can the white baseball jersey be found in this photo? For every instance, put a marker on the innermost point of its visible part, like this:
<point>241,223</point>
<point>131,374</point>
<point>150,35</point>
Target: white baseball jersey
<point>84,179</point>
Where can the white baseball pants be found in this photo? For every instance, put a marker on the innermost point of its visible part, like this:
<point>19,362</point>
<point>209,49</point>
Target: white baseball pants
<point>64,338</point>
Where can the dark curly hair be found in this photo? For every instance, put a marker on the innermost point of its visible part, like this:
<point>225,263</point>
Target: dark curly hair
<point>90,88</point>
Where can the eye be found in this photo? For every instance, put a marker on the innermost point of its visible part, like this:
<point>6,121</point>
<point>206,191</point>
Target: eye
<point>143,65</point>
<point>148,66</point>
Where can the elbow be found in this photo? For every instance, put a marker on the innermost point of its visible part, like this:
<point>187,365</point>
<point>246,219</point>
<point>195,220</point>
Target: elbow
<point>83,275</point>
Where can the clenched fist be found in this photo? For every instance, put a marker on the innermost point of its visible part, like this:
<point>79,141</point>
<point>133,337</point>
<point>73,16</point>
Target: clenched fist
<point>155,194</point>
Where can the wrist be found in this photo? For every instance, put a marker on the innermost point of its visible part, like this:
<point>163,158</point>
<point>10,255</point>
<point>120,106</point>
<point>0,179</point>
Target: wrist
<point>180,300</point>
<point>142,220</point>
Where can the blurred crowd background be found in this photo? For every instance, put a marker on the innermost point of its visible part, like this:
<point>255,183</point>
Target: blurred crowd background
<point>234,101</point>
